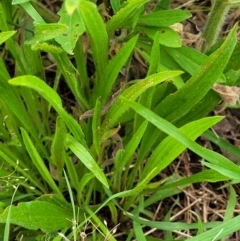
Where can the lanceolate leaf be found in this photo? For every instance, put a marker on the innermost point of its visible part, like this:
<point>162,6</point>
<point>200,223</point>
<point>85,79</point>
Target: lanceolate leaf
<point>197,86</point>
<point>53,98</point>
<point>190,94</point>
<point>227,167</point>
<point>170,148</point>
<point>38,215</point>
<point>164,18</point>
<point>123,14</point>
<point>97,33</point>
<point>86,158</point>
<point>119,107</point>
<point>113,68</point>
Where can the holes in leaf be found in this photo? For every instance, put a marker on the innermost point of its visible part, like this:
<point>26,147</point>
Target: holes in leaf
<point>65,34</point>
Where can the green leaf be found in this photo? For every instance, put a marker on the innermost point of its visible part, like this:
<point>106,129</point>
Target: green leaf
<point>220,231</point>
<point>225,166</point>
<point>164,18</point>
<point>113,68</point>
<point>167,36</point>
<point>130,149</point>
<point>46,47</point>
<point>96,124</point>
<point>203,176</point>
<point>119,107</point>
<point>38,215</point>
<point>97,33</point>
<point>170,148</point>
<point>53,98</point>
<point>190,94</point>
<point>231,204</point>
<point>86,158</point>
<point>6,35</point>
<point>58,147</point>
<point>75,28</point>
<point>190,60</point>
<point>19,1</point>
<point>155,56</point>
<point>44,31</point>
<point>38,162</point>
<point>71,6</point>
<point>116,5</point>
<point>121,17</point>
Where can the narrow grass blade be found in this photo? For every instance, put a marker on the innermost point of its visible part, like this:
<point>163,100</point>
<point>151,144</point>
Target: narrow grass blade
<point>231,204</point>
<point>113,68</point>
<point>221,231</point>
<point>86,158</point>
<point>38,162</point>
<point>98,35</point>
<point>170,148</point>
<point>225,166</point>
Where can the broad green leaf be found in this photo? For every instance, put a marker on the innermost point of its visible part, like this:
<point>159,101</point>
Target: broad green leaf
<point>170,148</point>
<point>119,19</point>
<point>53,98</point>
<point>167,36</point>
<point>119,107</point>
<point>6,35</point>
<point>98,36</point>
<point>47,31</point>
<point>112,70</point>
<point>38,215</point>
<point>38,162</point>
<point>75,28</point>
<point>164,18</point>
<point>226,167</point>
<point>86,158</point>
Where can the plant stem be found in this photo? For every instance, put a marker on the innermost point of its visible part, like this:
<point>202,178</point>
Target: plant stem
<point>215,21</point>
